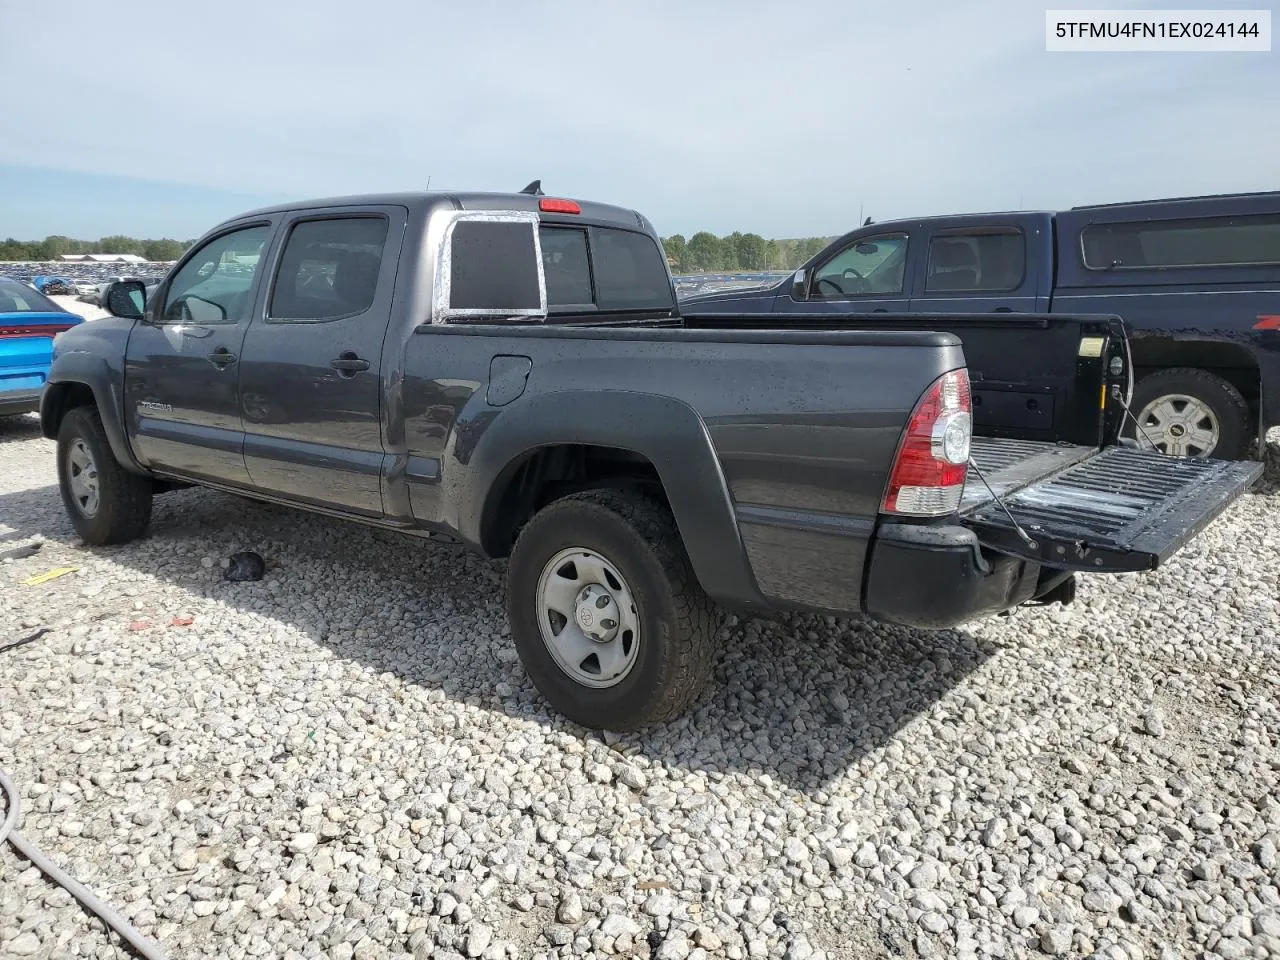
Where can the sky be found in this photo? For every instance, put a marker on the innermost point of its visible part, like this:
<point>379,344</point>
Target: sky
<point>155,118</point>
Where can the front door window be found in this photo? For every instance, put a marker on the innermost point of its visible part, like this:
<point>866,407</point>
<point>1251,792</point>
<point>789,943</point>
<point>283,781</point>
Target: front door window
<point>213,286</point>
<point>872,266</point>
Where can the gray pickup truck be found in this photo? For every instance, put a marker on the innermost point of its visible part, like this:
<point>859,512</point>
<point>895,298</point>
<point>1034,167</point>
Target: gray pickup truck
<point>512,372</point>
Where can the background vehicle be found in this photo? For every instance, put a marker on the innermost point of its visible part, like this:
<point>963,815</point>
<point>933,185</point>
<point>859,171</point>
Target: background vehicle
<point>511,371</point>
<point>1196,280</point>
<point>28,323</point>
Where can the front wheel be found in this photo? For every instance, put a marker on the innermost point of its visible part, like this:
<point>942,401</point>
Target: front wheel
<point>106,503</point>
<point>1187,412</point>
<point>607,616</point>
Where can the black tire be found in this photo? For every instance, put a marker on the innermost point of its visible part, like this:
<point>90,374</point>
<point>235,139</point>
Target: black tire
<point>1235,435</point>
<point>677,622</point>
<point>124,499</point>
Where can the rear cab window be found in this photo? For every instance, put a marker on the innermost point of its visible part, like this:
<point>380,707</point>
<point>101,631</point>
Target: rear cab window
<point>488,269</point>
<point>592,269</point>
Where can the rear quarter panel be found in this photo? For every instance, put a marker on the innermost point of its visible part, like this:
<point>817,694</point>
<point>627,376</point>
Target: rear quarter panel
<point>799,430</point>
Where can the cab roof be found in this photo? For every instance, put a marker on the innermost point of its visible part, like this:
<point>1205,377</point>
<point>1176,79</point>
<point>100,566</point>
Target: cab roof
<point>423,201</point>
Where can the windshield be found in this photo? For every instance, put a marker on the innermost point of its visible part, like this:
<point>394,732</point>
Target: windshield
<point>19,298</point>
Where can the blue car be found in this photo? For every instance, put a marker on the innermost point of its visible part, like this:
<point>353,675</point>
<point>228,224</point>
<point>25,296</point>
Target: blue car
<point>28,323</point>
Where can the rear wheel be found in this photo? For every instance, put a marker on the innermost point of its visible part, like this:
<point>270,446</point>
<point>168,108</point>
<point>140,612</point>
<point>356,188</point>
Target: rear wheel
<point>609,620</point>
<point>106,503</point>
<point>1187,412</point>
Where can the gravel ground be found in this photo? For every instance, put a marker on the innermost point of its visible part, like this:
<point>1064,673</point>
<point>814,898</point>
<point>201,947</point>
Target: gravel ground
<point>345,760</point>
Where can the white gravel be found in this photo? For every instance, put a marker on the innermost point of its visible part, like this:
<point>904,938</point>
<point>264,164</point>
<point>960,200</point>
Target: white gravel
<point>346,761</point>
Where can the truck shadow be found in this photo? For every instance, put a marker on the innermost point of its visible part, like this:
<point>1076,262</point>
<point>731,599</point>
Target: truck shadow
<point>802,699</point>
<point>25,427</point>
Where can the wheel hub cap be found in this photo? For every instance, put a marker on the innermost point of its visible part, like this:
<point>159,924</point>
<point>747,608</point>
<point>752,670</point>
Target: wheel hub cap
<point>598,613</point>
<point>82,478</point>
<point>588,617</point>
<point>1180,425</point>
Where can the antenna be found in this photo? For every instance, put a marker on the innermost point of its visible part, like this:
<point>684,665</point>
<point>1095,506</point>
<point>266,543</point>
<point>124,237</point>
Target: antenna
<point>534,189</point>
<point>428,181</point>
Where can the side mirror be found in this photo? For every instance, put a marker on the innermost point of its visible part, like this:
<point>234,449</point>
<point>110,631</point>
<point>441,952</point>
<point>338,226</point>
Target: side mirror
<point>125,298</point>
<point>799,285</point>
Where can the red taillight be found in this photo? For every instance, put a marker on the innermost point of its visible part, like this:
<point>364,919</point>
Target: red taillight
<point>548,205</point>
<point>933,459</point>
<point>1268,322</point>
<point>33,330</point>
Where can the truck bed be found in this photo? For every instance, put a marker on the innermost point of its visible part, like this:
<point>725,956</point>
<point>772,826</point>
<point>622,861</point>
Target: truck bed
<point>1009,465</point>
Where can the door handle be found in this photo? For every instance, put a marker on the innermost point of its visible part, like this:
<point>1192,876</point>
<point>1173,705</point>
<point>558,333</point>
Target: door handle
<point>222,357</point>
<point>348,364</point>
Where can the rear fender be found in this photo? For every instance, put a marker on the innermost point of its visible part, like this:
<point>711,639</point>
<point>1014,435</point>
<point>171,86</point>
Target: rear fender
<point>1238,361</point>
<point>489,444</point>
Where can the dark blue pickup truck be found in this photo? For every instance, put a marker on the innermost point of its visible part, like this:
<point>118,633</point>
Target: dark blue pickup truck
<point>1196,281</point>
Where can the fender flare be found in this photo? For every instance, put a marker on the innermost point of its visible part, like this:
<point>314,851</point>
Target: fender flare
<point>489,444</point>
<point>85,369</point>
<point>1155,350</point>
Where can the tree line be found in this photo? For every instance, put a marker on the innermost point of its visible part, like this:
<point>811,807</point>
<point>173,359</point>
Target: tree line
<point>50,248</point>
<point>706,253</point>
<point>702,253</point>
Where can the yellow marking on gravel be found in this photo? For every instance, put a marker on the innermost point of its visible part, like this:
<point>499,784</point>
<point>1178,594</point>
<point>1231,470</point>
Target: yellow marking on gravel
<point>48,575</point>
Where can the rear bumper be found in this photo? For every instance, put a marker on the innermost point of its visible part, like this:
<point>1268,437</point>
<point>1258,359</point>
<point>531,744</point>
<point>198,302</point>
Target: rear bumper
<point>934,577</point>
<point>19,401</point>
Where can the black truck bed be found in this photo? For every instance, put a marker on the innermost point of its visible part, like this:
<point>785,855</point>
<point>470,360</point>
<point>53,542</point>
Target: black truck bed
<point>1009,465</point>
<point>1115,510</point>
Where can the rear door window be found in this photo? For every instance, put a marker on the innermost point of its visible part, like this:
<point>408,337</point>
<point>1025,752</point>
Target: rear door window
<point>1200,242</point>
<point>329,269</point>
<point>987,262</point>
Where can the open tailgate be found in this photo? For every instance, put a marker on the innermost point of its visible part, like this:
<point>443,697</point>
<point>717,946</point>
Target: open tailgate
<point>1120,510</point>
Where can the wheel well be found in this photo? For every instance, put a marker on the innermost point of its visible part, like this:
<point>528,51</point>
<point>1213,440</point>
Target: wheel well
<point>548,473</point>
<point>63,398</point>
<point>1231,362</point>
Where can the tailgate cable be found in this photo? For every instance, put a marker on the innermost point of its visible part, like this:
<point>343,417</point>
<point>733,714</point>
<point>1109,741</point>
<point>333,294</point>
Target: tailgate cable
<point>1115,395</point>
<point>1026,538</point>
<point>148,949</point>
